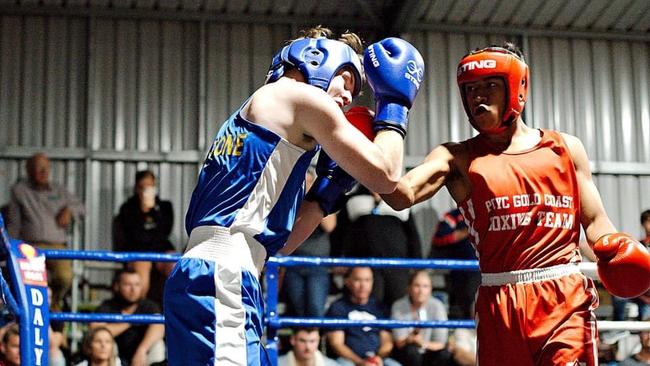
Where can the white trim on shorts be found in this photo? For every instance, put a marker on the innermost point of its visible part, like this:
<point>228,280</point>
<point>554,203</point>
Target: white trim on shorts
<point>528,275</point>
<point>218,244</point>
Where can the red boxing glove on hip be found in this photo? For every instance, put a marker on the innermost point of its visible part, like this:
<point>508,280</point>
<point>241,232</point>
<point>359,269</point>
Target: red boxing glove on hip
<point>362,118</point>
<point>623,265</point>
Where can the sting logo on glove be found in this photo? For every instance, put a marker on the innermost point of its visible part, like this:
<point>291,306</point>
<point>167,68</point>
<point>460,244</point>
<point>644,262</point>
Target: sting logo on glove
<point>415,73</point>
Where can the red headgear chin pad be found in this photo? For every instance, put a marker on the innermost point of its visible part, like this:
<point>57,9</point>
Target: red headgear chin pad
<point>362,119</point>
<point>496,62</point>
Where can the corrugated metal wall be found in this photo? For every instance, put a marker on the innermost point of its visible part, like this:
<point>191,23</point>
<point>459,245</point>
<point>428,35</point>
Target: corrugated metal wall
<point>106,97</point>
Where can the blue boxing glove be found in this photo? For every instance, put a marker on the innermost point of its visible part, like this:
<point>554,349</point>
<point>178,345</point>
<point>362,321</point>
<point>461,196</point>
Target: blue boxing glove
<point>395,71</point>
<point>330,185</point>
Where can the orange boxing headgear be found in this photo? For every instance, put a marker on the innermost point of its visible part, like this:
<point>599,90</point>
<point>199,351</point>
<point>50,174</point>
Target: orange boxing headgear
<point>362,118</point>
<point>499,62</point>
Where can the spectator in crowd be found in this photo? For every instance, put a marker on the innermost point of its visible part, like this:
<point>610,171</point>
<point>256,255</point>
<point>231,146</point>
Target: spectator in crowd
<point>99,349</point>
<point>643,301</point>
<point>463,347</point>
<point>365,346</point>
<point>643,356</point>
<point>451,241</point>
<point>139,344</point>
<point>420,346</point>
<point>10,346</point>
<point>307,287</point>
<point>371,228</point>
<point>304,344</point>
<point>41,212</point>
<point>144,224</point>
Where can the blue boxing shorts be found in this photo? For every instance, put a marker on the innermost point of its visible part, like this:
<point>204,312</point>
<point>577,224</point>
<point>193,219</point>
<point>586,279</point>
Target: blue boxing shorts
<point>213,302</point>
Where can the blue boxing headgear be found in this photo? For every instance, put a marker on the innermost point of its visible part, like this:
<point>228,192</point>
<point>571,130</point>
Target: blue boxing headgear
<point>318,59</point>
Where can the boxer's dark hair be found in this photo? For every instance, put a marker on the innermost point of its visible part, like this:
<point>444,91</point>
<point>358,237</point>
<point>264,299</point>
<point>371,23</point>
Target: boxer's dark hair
<point>645,216</point>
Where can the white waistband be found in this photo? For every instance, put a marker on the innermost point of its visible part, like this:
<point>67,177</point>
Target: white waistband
<point>218,244</point>
<point>528,275</point>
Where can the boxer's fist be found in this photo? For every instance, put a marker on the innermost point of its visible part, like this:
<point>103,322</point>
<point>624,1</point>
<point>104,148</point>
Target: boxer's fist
<point>330,186</point>
<point>395,71</point>
<point>623,265</point>
<point>362,119</point>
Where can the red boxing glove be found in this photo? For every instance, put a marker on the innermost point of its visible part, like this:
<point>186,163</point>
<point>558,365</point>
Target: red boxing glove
<point>623,265</point>
<point>362,118</point>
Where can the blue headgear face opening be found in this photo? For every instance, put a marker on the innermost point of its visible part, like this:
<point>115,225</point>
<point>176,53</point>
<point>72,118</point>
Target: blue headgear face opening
<point>319,60</point>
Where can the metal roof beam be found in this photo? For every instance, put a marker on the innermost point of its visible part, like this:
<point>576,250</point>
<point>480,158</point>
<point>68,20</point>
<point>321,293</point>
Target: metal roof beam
<point>181,15</point>
<point>535,32</point>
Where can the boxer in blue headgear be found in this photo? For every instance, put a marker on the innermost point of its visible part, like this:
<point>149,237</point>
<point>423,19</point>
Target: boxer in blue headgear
<point>248,201</point>
<point>319,60</point>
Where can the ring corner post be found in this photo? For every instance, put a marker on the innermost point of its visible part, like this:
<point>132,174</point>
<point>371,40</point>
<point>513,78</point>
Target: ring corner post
<point>26,267</point>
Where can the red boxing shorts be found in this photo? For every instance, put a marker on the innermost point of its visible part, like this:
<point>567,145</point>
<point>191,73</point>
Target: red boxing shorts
<point>537,317</point>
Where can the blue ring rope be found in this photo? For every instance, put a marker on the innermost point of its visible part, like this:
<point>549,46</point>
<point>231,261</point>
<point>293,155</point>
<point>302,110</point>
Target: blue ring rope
<point>107,256</point>
<point>281,322</point>
<point>108,318</point>
<point>376,262</point>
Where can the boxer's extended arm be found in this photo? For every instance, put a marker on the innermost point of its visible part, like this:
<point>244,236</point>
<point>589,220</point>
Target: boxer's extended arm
<point>329,188</point>
<point>395,71</point>
<point>375,165</point>
<point>423,181</point>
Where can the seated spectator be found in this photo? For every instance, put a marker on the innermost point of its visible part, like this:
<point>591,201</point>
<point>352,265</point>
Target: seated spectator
<point>144,224</point>
<point>99,349</point>
<point>10,346</point>
<point>137,343</point>
<point>359,346</point>
<point>451,241</point>
<point>463,347</point>
<point>420,346</point>
<point>307,287</point>
<point>304,350</point>
<point>642,302</point>
<point>41,213</point>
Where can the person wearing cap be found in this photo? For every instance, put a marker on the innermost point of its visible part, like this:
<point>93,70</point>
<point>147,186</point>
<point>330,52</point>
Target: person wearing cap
<point>524,192</point>
<point>248,201</point>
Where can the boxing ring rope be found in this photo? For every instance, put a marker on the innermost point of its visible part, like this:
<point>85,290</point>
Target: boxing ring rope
<point>107,256</point>
<point>275,322</point>
<point>34,318</point>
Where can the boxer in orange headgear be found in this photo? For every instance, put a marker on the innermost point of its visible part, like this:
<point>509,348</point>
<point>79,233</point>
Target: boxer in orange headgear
<point>496,62</point>
<point>524,192</point>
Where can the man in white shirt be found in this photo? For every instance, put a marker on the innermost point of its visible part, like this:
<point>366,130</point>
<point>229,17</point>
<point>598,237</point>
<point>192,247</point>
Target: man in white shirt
<point>304,343</point>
